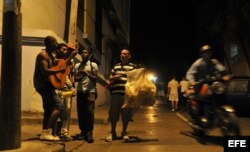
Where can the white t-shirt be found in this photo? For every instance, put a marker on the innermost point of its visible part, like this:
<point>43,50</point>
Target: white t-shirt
<point>184,85</point>
<point>173,85</point>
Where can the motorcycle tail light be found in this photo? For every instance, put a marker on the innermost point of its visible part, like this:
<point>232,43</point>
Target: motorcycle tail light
<point>193,102</point>
<point>205,90</point>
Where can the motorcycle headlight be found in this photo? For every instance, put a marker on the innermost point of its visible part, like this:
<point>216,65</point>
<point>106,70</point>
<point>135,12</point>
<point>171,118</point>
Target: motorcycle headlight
<point>218,87</point>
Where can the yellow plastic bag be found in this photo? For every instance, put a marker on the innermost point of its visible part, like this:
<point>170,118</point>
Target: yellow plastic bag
<point>139,89</point>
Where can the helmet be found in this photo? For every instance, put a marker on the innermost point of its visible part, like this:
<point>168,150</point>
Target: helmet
<point>206,48</point>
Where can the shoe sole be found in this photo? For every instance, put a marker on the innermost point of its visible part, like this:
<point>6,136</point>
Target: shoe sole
<point>48,140</point>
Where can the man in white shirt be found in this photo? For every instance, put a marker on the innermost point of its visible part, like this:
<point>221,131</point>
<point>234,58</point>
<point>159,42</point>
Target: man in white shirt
<point>173,93</point>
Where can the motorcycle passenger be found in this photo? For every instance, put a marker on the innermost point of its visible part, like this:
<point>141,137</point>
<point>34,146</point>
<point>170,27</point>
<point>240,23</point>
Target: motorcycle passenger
<point>202,68</point>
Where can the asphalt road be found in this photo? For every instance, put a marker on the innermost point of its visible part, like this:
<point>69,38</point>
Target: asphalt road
<point>154,130</point>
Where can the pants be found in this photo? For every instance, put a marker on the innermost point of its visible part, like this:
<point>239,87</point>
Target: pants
<point>117,100</point>
<point>51,101</point>
<point>85,111</point>
<point>183,100</point>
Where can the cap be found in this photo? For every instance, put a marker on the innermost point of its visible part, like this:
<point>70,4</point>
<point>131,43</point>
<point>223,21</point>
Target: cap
<point>206,48</point>
<point>71,46</point>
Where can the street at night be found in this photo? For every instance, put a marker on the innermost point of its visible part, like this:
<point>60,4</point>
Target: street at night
<point>154,129</point>
<point>89,48</point>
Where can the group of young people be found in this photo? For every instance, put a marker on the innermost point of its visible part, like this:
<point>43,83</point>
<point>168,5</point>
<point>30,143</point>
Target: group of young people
<point>53,78</point>
<point>50,70</point>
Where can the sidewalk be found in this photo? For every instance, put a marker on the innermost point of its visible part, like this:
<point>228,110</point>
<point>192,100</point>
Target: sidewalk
<point>101,115</point>
<point>31,127</point>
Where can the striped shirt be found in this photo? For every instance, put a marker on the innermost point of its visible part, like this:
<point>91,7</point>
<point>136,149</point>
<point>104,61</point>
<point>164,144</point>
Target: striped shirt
<point>118,87</point>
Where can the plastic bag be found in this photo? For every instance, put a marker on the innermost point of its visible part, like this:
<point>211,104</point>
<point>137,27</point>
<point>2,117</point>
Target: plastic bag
<point>139,89</point>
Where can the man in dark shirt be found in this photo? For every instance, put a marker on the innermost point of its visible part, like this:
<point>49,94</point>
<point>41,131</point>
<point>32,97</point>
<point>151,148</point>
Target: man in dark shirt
<point>52,104</point>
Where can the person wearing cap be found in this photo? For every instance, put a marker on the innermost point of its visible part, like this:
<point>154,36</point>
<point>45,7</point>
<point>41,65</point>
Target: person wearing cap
<point>66,93</point>
<point>204,66</point>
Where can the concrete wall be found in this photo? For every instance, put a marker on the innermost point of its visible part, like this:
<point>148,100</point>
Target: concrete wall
<point>89,14</point>
<point>44,14</point>
<point>122,9</point>
<point>238,63</point>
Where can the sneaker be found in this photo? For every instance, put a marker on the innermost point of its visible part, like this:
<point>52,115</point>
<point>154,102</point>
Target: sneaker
<point>89,138</point>
<point>57,138</point>
<point>110,137</point>
<point>64,131</point>
<point>64,136</point>
<point>125,136</point>
<point>47,135</point>
<point>173,109</point>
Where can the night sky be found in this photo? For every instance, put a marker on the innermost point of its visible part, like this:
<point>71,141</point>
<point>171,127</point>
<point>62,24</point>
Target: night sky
<point>164,36</point>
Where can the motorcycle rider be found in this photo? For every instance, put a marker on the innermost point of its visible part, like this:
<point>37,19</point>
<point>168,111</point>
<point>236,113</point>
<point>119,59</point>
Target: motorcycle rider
<point>202,68</point>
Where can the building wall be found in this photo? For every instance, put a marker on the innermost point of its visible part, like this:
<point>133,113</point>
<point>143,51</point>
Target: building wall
<point>123,14</point>
<point>237,62</point>
<point>89,14</point>
<point>44,14</point>
<point>107,36</point>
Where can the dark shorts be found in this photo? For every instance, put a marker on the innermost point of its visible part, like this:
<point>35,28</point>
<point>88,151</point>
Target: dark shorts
<point>52,101</point>
<point>117,100</point>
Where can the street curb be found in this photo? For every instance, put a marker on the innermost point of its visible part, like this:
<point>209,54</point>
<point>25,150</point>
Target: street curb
<point>29,117</point>
<point>39,146</point>
<point>73,121</point>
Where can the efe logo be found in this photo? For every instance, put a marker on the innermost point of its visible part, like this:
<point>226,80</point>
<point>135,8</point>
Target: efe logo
<point>237,143</point>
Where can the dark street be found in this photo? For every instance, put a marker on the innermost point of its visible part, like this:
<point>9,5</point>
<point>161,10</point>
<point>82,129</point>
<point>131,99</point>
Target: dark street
<point>154,129</point>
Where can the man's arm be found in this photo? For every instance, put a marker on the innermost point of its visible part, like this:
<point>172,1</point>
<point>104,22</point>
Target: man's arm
<point>190,75</point>
<point>219,67</point>
<point>94,70</point>
<point>45,65</point>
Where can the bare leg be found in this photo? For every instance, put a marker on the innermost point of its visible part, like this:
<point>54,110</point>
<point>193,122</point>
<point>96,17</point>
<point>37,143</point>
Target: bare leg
<point>53,118</point>
<point>172,104</point>
<point>176,104</point>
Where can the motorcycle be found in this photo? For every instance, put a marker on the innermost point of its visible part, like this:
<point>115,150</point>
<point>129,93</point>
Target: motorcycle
<point>208,109</point>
